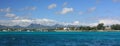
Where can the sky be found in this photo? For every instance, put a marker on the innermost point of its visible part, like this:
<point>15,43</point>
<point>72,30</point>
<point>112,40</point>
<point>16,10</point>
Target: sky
<point>49,12</point>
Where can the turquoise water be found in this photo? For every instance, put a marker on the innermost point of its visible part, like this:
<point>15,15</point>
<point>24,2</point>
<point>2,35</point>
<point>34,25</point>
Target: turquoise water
<point>59,38</point>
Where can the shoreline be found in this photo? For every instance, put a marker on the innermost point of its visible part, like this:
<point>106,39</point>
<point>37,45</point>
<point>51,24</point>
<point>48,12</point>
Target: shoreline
<point>8,33</point>
<point>69,31</point>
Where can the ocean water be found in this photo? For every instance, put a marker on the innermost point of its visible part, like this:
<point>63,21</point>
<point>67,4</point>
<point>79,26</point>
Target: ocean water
<point>59,38</point>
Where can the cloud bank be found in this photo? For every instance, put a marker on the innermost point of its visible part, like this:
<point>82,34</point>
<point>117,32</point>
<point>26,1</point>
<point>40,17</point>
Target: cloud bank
<point>49,22</point>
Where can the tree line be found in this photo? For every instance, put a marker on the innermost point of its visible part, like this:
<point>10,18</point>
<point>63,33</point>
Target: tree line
<point>100,26</point>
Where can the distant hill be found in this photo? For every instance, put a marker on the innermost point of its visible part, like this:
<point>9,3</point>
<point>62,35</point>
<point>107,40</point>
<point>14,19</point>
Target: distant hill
<point>37,26</point>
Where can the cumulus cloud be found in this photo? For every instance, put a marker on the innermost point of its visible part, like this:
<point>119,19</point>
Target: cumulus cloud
<point>76,23</point>
<point>22,22</point>
<point>27,22</point>
<point>45,21</point>
<point>92,9</point>
<point>105,21</point>
<point>51,6</point>
<point>5,9</point>
<point>109,21</point>
<point>49,22</point>
<point>13,16</point>
<point>66,10</point>
<point>10,15</point>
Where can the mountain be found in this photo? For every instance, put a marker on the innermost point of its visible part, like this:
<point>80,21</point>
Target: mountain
<point>38,26</point>
<point>17,26</point>
<point>34,26</point>
<point>1,26</point>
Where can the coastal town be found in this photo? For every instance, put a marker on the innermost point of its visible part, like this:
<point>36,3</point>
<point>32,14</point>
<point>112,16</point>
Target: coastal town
<point>99,28</point>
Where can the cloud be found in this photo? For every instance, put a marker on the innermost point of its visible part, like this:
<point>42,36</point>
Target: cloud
<point>92,9</point>
<point>89,10</point>
<point>27,22</point>
<point>105,21</point>
<point>48,22</point>
<point>10,15</point>
<point>76,23</point>
<point>109,21</point>
<point>51,6</point>
<point>64,4</point>
<point>13,16</point>
<point>21,22</point>
<point>116,0</point>
<point>44,21</point>
<point>66,10</point>
<point>5,9</point>
<point>32,8</point>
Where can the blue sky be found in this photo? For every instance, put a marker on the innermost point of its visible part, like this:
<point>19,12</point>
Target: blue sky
<point>84,11</point>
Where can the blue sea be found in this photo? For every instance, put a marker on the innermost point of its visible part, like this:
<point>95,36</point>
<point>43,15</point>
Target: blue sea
<point>59,38</point>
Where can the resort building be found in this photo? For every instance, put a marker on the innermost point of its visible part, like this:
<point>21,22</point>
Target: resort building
<point>107,28</point>
<point>66,28</point>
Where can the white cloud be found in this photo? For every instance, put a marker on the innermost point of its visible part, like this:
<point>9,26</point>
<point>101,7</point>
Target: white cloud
<point>76,23</point>
<point>45,21</point>
<point>49,22</point>
<point>5,9</point>
<point>91,24</point>
<point>52,6</point>
<point>27,22</point>
<point>105,21</point>
<point>66,10</point>
<point>109,21</point>
<point>22,22</point>
<point>31,8</point>
<point>7,23</point>
<point>92,9</point>
<point>10,15</point>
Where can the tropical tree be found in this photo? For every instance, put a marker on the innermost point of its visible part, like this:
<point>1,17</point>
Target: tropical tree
<point>100,26</point>
<point>115,27</point>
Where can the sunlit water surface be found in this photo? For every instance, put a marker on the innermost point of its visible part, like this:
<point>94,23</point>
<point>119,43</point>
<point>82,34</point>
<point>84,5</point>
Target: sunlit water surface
<point>59,38</point>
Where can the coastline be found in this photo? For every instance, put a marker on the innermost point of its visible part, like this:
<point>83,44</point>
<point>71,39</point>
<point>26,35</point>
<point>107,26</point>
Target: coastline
<point>68,31</point>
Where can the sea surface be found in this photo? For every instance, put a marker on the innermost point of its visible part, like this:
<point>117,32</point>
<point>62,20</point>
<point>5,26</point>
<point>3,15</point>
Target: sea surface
<point>59,38</point>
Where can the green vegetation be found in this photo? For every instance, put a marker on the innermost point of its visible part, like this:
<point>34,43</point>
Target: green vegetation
<point>115,27</point>
<point>99,27</point>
